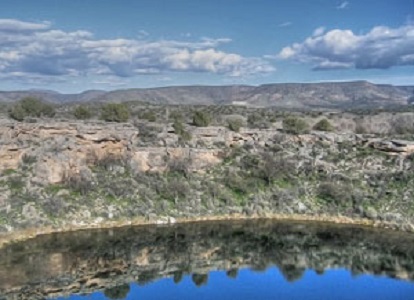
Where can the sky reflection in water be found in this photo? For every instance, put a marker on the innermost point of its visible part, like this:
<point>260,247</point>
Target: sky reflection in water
<point>288,261</point>
<point>270,284</point>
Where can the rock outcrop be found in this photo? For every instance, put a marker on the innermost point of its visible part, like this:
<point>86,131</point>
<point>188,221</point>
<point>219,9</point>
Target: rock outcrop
<point>61,148</point>
<point>60,173</point>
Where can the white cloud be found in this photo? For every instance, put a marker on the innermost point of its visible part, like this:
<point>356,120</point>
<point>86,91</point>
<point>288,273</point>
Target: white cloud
<point>343,5</point>
<point>381,48</point>
<point>319,31</point>
<point>35,50</point>
<point>110,82</point>
<point>285,24</point>
<point>143,33</point>
<point>16,25</point>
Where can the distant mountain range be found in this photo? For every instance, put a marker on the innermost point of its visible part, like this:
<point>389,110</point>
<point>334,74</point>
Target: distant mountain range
<point>357,94</point>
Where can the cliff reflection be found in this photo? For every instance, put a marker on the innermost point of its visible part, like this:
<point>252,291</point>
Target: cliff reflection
<point>108,260</point>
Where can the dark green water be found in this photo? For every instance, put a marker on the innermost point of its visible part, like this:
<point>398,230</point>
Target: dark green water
<point>239,260</point>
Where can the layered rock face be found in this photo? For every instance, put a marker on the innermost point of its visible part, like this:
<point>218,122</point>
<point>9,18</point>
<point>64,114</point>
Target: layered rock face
<point>61,148</point>
<point>57,173</point>
<point>58,149</point>
<point>83,262</point>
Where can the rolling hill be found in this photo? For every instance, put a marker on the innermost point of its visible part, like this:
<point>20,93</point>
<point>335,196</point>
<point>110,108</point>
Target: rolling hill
<point>357,94</point>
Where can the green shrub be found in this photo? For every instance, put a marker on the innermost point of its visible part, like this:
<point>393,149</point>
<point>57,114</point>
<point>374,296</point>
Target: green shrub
<point>402,125</point>
<point>17,113</point>
<point>176,116</point>
<point>149,116</point>
<point>360,128</point>
<point>179,129</point>
<point>186,136</point>
<point>82,112</point>
<point>180,166</point>
<point>323,125</point>
<point>78,183</point>
<point>237,183</point>
<point>114,112</point>
<point>274,167</point>
<point>335,193</point>
<point>31,107</point>
<point>148,132</point>
<point>235,123</point>
<point>295,125</point>
<point>27,160</point>
<point>201,119</point>
<point>254,119</point>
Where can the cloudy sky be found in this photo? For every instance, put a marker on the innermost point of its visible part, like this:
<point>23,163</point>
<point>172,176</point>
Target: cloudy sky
<point>76,45</point>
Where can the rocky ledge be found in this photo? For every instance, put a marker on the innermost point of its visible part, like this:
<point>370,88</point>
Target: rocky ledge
<point>61,174</point>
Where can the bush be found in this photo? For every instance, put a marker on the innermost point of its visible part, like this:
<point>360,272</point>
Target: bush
<point>201,119</point>
<point>175,189</point>
<point>323,125</point>
<point>180,165</point>
<point>179,130</point>
<point>148,132</point>
<point>275,167</point>
<point>360,128</point>
<point>178,127</point>
<point>176,116</point>
<point>295,125</point>
<point>114,112</point>
<point>335,193</point>
<point>235,123</point>
<point>402,125</point>
<point>31,107</point>
<point>82,112</point>
<point>237,183</point>
<point>78,183</point>
<point>253,119</point>
<point>149,116</point>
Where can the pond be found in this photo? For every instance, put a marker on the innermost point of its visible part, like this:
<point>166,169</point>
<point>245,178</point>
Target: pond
<point>222,260</point>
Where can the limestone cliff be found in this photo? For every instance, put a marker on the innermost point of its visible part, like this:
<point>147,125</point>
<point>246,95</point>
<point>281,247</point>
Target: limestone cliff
<point>60,173</point>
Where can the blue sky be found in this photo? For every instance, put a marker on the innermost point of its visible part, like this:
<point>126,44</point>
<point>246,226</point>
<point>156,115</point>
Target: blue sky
<point>76,45</point>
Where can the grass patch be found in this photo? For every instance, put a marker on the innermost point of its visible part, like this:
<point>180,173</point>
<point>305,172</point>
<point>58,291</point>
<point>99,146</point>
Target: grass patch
<point>8,172</point>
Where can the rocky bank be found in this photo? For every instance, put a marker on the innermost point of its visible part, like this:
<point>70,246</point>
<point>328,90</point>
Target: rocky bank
<point>61,174</point>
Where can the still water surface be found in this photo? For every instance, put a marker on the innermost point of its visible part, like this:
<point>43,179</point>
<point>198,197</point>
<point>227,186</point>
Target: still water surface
<point>336,284</point>
<point>239,260</point>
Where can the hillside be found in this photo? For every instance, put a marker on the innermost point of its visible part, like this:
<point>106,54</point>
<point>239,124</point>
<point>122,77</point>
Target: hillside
<point>339,95</point>
<point>62,174</point>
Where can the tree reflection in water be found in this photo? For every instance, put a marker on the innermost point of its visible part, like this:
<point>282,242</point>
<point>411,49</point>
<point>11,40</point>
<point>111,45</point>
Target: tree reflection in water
<point>108,260</point>
<point>199,279</point>
<point>117,292</point>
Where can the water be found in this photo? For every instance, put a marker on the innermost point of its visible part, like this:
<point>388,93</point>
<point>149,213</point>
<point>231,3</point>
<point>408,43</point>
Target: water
<point>338,284</point>
<point>239,260</point>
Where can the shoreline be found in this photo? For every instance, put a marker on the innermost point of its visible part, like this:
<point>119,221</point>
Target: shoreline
<point>26,234</point>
